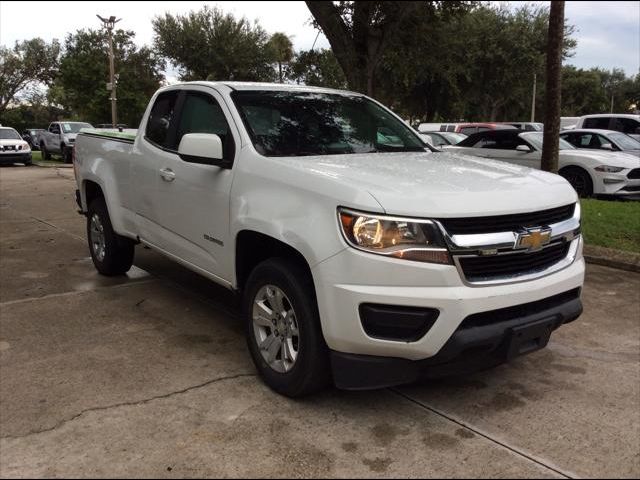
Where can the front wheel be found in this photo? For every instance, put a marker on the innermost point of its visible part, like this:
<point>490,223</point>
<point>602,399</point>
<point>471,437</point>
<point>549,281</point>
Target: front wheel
<point>111,253</point>
<point>283,328</point>
<point>45,154</point>
<point>579,179</point>
<point>66,153</point>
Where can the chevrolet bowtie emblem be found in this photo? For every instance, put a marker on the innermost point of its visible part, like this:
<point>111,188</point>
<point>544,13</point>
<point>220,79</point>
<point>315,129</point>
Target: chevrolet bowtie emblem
<point>533,239</point>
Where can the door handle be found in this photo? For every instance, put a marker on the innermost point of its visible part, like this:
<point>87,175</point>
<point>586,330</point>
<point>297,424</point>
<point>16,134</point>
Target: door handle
<point>167,174</point>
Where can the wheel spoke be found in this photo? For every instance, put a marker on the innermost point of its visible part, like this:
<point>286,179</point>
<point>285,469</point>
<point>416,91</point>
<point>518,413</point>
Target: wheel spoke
<point>275,300</point>
<point>262,314</point>
<point>273,350</point>
<point>266,343</point>
<point>286,354</point>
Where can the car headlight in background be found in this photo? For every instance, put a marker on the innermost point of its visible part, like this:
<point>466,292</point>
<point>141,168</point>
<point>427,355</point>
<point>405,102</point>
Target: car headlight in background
<point>407,239</point>
<point>608,169</point>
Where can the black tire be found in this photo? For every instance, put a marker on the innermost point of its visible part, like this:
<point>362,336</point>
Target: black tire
<point>45,154</point>
<point>116,256</point>
<point>579,179</point>
<point>311,370</point>
<point>64,153</point>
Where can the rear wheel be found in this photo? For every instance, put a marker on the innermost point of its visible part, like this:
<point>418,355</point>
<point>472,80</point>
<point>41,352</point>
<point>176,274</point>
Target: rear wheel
<point>579,180</point>
<point>111,253</point>
<point>283,328</point>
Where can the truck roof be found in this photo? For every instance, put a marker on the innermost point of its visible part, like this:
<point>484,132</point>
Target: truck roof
<point>269,86</point>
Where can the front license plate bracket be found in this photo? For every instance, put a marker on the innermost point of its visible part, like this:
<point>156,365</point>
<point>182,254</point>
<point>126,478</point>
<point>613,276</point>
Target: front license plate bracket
<point>529,338</point>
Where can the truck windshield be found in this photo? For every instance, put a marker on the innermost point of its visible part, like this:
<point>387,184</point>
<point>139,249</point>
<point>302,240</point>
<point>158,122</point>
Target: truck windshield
<point>290,123</point>
<point>9,134</point>
<point>68,127</point>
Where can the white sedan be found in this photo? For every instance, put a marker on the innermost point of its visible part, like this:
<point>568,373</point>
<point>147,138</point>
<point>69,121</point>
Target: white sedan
<point>590,172</point>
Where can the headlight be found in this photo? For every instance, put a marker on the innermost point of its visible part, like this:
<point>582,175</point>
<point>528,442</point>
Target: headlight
<point>609,169</point>
<point>408,239</point>
<point>25,147</point>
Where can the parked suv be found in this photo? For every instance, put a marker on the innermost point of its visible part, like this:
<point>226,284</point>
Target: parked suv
<point>362,256</point>
<point>13,149</point>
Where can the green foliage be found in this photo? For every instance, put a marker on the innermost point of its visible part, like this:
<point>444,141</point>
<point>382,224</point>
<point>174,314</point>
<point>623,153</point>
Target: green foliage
<point>281,50</point>
<point>472,64</point>
<point>24,66</point>
<point>590,91</point>
<point>84,72</point>
<point>36,112</point>
<point>318,68</point>
<point>209,44</point>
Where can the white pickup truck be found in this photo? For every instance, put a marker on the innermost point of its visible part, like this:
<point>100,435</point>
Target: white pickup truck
<point>363,257</point>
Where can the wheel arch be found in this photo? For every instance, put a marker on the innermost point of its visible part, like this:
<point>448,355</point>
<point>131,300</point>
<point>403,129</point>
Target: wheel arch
<point>253,247</point>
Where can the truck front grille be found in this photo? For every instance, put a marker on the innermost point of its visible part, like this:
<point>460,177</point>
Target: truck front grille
<point>506,223</point>
<point>501,266</point>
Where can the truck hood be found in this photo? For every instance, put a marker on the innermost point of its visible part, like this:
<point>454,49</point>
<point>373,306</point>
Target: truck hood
<point>441,184</point>
<point>614,159</point>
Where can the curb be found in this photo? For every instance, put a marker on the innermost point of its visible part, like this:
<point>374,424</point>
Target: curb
<point>612,258</point>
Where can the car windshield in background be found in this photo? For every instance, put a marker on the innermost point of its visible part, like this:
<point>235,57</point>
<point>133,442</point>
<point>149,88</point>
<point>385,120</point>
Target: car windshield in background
<point>625,142</point>
<point>535,139</point>
<point>453,137</point>
<point>289,123</point>
<point>68,127</point>
<point>9,134</point>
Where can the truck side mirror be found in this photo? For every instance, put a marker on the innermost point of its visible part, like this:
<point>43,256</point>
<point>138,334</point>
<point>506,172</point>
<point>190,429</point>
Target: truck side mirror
<point>203,148</point>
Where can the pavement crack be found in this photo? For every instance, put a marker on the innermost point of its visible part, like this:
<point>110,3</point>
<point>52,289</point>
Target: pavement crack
<point>486,436</point>
<point>128,404</point>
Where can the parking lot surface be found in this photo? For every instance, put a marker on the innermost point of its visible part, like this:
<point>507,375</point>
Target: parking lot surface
<point>148,376</point>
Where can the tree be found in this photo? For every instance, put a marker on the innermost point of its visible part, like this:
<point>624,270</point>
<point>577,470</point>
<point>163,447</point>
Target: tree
<point>208,44</point>
<point>318,68</point>
<point>28,63</point>
<point>282,51</point>
<point>359,33</point>
<point>553,81</point>
<point>84,72</point>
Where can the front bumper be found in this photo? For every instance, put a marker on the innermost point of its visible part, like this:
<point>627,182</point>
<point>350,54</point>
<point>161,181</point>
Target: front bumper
<point>479,345</point>
<point>11,158</point>
<point>352,278</point>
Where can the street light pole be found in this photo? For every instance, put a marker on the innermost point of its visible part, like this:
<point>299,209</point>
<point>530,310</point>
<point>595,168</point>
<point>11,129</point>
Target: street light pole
<point>533,100</point>
<point>109,24</point>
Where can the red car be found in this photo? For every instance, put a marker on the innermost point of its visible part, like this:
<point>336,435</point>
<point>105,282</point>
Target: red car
<point>469,128</point>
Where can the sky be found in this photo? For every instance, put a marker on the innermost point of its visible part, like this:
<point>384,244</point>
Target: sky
<point>608,33</point>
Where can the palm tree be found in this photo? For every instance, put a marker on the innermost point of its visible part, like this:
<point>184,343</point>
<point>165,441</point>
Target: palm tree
<point>552,98</point>
<point>282,49</point>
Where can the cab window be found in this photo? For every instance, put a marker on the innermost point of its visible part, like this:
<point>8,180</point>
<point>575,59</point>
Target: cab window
<point>158,125</point>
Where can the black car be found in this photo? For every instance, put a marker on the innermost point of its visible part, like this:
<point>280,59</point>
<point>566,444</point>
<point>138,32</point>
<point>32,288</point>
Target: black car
<point>30,136</point>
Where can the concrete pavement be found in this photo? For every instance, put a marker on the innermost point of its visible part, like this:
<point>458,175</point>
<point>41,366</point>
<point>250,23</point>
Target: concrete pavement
<point>148,376</point>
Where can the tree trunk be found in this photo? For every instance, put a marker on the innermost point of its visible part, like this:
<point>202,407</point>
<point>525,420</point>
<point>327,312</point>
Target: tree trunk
<point>360,46</point>
<point>552,96</point>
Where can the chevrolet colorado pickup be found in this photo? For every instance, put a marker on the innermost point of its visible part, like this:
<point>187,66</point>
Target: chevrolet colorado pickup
<point>362,256</point>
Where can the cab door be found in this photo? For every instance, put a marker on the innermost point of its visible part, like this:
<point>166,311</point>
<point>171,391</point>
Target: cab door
<point>191,201</point>
<point>53,142</point>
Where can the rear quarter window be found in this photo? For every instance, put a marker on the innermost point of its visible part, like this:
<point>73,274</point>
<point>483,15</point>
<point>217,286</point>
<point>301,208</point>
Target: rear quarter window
<point>157,130</point>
